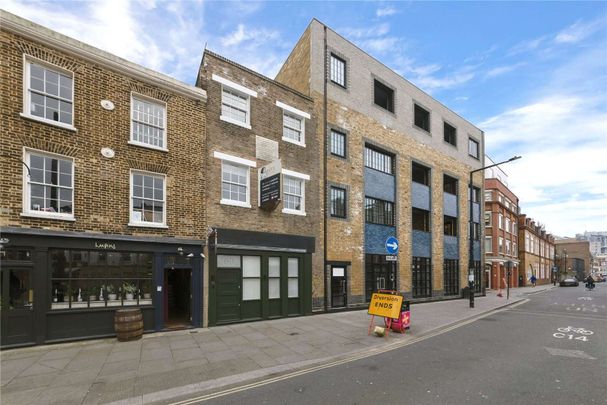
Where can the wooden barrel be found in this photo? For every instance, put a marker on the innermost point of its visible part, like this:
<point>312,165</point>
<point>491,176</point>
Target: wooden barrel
<point>128,324</point>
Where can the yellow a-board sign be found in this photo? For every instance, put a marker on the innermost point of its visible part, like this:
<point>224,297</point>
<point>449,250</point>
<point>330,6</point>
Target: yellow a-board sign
<point>386,305</point>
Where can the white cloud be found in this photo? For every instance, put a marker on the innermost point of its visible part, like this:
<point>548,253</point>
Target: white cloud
<point>385,11</point>
<point>251,36</point>
<point>365,33</point>
<point>431,83</point>
<point>380,45</point>
<point>501,70</point>
<point>578,32</point>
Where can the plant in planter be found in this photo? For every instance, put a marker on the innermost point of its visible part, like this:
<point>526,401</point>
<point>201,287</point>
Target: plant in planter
<point>110,292</point>
<point>129,290</point>
<point>90,293</point>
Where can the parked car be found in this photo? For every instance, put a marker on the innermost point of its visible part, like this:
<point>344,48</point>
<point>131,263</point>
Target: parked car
<point>569,282</point>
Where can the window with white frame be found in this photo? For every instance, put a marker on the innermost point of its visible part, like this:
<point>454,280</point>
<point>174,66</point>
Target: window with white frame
<point>488,244</point>
<point>251,278</point>
<point>50,93</point>
<point>514,249</point>
<point>235,102</point>
<point>508,226</point>
<point>488,219</point>
<point>273,277</point>
<point>49,188</point>
<point>508,245</point>
<point>235,179</point>
<point>148,122</point>
<point>338,70</point>
<point>500,222</point>
<point>148,206</point>
<point>293,124</point>
<point>500,245</point>
<point>293,276</point>
<point>293,190</point>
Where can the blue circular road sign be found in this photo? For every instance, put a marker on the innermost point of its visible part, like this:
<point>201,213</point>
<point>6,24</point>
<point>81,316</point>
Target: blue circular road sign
<point>392,245</point>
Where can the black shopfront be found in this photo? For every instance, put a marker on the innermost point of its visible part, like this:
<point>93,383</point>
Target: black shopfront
<point>60,286</point>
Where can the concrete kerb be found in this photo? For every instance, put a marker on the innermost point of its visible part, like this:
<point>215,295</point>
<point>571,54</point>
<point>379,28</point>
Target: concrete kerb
<point>216,387</point>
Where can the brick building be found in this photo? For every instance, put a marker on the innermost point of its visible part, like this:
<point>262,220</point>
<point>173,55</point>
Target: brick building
<point>101,190</point>
<point>396,164</point>
<point>501,231</point>
<point>573,258</point>
<point>536,252</point>
<point>263,209</point>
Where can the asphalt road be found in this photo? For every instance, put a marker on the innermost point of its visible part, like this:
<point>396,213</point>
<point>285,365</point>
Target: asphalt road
<point>534,353</point>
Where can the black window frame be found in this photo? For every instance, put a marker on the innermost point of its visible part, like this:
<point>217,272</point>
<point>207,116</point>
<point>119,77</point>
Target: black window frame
<point>332,143</point>
<point>384,165</point>
<point>422,122</point>
<point>449,225</point>
<point>422,217</point>
<point>451,276</point>
<point>450,184</point>
<point>345,70</point>
<point>421,277</point>
<point>377,212</point>
<point>478,148</point>
<point>449,133</point>
<point>333,207</point>
<point>389,95</point>
<point>415,174</point>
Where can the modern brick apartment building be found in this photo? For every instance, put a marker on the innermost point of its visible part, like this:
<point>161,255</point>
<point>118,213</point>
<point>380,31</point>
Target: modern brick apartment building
<point>396,164</point>
<point>102,190</point>
<point>536,252</point>
<point>501,231</point>
<point>262,203</point>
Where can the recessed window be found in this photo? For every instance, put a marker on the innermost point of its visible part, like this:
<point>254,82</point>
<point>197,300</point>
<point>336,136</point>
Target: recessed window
<point>234,183</point>
<point>338,202</point>
<point>476,231</point>
<point>50,93</point>
<point>420,220</point>
<point>379,211</point>
<point>450,226</point>
<point>50,186</point>
<point>384,96</point>
<point>293,124</point>
<point>147,199</point>
<point>449,185</point>
<point>488,219</point>
<point>235,102</point>
<point>338,143</point>
<point>476,194</point>
<point>377,160</point>
<point>473,148</point>
<point>488,195</point>
<point>294,192</point>
<point>422,118</point>
<point>450,134</point>
<point>293,277</point>
<point>338,70</point>
<point>251,278</point>
<point>420,174</point>
<point>148,122</point>
<point>292,127</point>
<point>488,244</point>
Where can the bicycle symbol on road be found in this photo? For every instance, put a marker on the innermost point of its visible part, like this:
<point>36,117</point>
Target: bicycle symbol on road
<point>570,333</point>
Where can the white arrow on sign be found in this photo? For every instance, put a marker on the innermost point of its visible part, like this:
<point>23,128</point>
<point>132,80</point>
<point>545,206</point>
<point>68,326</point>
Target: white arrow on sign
<point>392,245</point>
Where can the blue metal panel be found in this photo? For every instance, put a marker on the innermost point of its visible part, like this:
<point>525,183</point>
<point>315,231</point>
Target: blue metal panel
<point>420,196</point>
<point>422,244</point>
<point>375,238</point>
<point>451,247</point>
<point>476,249</point>
<point>450,204</point>
<point>379,185</point>
<point>476,212</point>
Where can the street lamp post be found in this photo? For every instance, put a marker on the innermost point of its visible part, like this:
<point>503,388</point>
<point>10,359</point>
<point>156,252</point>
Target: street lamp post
<point>471,230</point>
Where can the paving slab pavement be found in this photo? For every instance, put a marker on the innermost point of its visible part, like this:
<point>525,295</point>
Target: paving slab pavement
<point>168,365</point>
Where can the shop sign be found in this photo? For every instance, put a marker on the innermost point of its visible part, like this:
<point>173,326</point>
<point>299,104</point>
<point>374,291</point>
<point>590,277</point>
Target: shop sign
<point>269,185</point>
<point>386,305</point>
<point>105,245</point>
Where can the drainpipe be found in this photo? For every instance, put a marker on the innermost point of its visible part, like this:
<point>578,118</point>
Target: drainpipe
<point>325,143</point>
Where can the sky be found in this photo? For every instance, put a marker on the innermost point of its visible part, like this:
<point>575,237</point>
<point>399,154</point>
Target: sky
<point>532,75</point>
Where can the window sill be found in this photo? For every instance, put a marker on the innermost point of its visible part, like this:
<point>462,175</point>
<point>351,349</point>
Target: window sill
<point>235,203</point>
<point>293,212</point>
<point>49,215</point>
<point>424,131</point>
<point>293,142</point>
<point>231,121</point>
<point>145,145</point>
<point>147,225</point>
<point>49,122</point>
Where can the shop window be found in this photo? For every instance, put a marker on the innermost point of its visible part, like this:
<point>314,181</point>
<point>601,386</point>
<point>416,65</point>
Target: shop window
<point>95,279</point>
<point>273,277</point>
<point>293,275</point>
<point>251,278</point>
